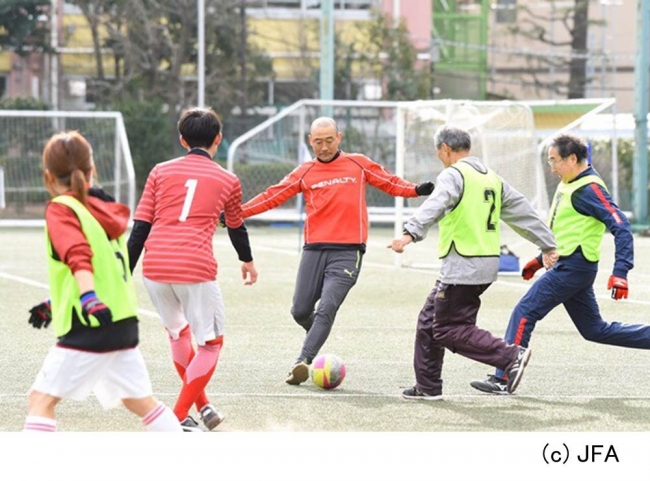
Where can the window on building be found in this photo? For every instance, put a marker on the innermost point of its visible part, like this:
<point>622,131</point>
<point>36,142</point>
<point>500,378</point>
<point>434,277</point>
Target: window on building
<point>506,11</point>
<point>288,92</point>
<point>356,4</point>
<point>346,4</point>
<point>283,3</point>
<point>314,4</point>
<point>3,85</point>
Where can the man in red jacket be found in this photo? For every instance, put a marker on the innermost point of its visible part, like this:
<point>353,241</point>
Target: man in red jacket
<point>336,229</point>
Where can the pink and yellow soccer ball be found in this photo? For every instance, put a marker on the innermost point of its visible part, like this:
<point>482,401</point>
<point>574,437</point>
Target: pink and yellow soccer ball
<point>327,371</point>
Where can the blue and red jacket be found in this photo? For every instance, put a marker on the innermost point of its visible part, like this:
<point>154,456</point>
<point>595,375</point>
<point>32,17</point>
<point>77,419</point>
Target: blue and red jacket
<point>594,201</point>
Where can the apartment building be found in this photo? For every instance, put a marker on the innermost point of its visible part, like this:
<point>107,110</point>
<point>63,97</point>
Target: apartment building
<point>286,29</point>
<point>538,69</point>
<point>471,42</point>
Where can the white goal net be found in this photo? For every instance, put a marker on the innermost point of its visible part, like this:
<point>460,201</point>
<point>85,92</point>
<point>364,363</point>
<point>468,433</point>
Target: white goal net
<point>399,136</point>
<point>508,136</point>
<point>503,137</point>
<point>23,135</point>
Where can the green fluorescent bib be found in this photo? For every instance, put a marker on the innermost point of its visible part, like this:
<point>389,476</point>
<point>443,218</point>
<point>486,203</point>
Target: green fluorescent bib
<point>473,226</point>
<point>572,229</point>
<point>110,261</point>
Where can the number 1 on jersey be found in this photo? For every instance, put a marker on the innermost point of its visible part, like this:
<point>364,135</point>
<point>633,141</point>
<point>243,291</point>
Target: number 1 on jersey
<point>189,197</point>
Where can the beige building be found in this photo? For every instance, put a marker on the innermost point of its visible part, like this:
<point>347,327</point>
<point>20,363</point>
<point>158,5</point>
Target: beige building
<point>524,69</point>
<point>517,68</point>
<point>288,30</point>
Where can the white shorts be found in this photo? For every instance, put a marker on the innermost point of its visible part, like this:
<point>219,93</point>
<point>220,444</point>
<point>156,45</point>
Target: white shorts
<point>110,376</point>
<point>199,305</point>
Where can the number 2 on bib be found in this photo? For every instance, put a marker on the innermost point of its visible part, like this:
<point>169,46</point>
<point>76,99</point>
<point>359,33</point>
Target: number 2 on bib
<point>189,197</point>
<point>490,196</point>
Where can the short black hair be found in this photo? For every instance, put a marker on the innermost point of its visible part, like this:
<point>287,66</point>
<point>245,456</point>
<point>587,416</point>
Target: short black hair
<point>567,143</point>
<point>199,126</point>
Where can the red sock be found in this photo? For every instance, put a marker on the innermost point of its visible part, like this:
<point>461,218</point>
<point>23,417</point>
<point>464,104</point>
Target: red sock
<point>182,354</point>
<point>197,375</point>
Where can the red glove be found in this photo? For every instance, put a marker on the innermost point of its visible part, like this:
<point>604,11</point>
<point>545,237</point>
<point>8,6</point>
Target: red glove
<point>529,269</point>
<point>618,285</point>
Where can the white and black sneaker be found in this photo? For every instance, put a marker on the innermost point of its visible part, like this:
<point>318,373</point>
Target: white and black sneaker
<point>415,393</point>
<point>210,416</point>
<point>516,370</point>
<point>189,425</point>
<point>492,385</point>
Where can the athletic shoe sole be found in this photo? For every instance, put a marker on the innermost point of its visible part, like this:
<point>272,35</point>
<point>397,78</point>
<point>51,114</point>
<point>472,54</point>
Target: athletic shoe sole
<point>190,426</point>
<point>423,398</point>
<point>213,421</point>
<point>479,387</point>
<point>187,429</point>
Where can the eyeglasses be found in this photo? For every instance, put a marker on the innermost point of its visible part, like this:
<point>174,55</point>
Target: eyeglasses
<point>553,162</point>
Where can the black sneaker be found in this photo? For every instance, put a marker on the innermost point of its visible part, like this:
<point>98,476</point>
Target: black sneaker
<point>415,393</point>
<point>189,425</point>
<point>299,374</point>
<point>492,385</point>
<point>516,371</point>
<point>210,416</point>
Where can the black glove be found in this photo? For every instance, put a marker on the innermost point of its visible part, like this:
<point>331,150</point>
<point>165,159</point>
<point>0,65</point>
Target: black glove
<point>92,306</point>
<point>222,219</point>
<point>41,314</point>
<point>425,188</point>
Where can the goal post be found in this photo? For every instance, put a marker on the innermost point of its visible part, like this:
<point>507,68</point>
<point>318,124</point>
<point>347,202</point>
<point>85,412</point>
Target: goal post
<point>509,136</point>
<point>503,137</point>
<point>23,135</point>
<point>265,154</point>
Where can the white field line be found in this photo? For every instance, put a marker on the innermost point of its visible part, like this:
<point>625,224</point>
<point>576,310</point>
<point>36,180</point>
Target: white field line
<point>41,285</point>
<point>427,272</point>
<point>338,394</point>
<point>293,253</point>
<point>24,280</point>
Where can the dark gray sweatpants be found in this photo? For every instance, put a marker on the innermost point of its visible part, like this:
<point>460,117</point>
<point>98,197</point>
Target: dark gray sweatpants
<point>324,276</point>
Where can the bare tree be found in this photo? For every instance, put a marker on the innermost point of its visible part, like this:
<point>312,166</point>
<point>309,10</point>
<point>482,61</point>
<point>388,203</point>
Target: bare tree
<point>393,58</point>
<point>380,52</point>
<point>578,68</point>
<point>560,27</point>
<point>94,11</point>
<point>154,47</point>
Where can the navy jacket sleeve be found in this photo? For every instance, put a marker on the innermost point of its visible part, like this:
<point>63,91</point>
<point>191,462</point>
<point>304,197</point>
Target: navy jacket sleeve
<point>594,201</point>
